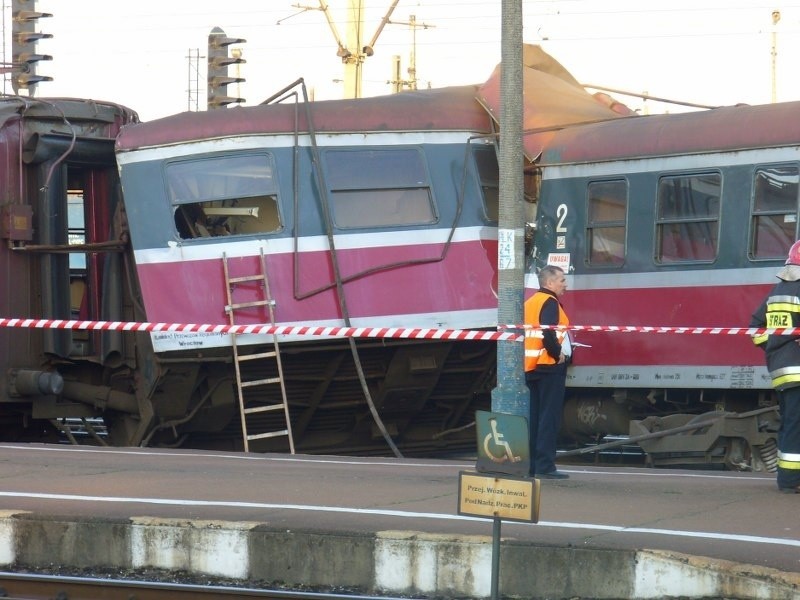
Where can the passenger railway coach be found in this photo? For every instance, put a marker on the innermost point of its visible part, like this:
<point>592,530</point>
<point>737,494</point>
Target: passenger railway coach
<point>376,212</point>
<point>669,220</point>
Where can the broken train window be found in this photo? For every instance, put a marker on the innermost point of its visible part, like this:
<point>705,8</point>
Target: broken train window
<point>224,195</point>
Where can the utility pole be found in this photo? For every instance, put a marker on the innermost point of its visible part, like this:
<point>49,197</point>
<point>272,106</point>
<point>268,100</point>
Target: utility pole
<point>351,51</point>
<point>397,83</point>
<point>396,80</point>
<point>353,60</point>
<point>511,395</point>
<point>776,16</point>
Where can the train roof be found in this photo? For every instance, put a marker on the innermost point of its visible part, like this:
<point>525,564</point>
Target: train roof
<point>444,109</point>
<point>59,109</point>
<point>725,129</point>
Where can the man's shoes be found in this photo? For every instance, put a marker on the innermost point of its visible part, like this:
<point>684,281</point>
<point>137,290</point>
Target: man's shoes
<point>790,490</point>
<point>553,475</point>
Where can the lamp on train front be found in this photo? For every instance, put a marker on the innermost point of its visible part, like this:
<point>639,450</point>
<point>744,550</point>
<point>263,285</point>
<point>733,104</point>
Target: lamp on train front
<point>24,40</point>
<point>218,62</point>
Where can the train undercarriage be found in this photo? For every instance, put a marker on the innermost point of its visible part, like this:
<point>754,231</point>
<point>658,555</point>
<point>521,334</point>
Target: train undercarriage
<point>425,393</point>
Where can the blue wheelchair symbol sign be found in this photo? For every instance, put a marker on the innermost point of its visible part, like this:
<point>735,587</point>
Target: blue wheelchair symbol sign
<point>502,443</point>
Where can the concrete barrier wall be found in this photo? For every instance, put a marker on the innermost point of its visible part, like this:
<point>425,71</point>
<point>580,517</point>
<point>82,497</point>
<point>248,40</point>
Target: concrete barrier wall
<point>388,562</point>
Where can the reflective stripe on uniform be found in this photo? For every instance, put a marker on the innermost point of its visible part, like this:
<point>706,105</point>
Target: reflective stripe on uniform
<point>783,307</point>
<point>760,339</point>
<point>785,302</point>
<point>779,381</point>
<point>787,460</point>
<point>785,375</point>
<point>535,352</point>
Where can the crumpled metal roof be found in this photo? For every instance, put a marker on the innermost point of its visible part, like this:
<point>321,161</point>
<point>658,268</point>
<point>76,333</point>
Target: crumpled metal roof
<point>552,99</point>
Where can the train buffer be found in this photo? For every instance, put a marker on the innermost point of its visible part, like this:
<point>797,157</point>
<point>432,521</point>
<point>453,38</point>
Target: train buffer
<point>252,405</point>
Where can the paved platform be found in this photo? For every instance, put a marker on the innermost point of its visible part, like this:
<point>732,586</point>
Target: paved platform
<point>392,525</point>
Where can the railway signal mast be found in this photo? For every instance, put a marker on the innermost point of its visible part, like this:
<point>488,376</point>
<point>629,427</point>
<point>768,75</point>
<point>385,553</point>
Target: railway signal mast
<point>218,62</point>
<point>24,39</point>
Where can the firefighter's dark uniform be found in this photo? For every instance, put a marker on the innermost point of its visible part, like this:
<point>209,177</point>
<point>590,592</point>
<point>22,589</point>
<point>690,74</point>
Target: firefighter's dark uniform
<point>781,309</point>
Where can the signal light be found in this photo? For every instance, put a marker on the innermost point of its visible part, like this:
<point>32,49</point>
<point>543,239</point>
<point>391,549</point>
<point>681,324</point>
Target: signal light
<point>24,39</point>
<point>218,62</point>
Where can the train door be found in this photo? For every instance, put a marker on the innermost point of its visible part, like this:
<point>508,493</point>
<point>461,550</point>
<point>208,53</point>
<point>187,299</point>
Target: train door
<point>96,260</point>
<point>78,246</point>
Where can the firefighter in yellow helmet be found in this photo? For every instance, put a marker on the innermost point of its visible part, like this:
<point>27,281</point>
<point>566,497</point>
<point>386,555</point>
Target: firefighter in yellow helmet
<point>780,310</point>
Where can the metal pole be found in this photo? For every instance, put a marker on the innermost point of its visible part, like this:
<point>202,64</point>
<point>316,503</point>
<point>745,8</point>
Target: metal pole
<point>776,16</point>
<point>353,62</point>
<point>496,558</point>
<point>511,395</point>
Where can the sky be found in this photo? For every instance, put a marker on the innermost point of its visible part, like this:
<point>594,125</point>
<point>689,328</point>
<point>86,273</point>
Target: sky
<point>150,55</point>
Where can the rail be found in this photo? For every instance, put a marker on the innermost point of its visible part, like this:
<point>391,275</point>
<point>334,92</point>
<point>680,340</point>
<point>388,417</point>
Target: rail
<point>31,586</point>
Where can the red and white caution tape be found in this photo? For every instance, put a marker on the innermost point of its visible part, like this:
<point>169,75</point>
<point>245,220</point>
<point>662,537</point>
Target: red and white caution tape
<point>504,333</point>
<point>750,331</point>
<point>298,330</point>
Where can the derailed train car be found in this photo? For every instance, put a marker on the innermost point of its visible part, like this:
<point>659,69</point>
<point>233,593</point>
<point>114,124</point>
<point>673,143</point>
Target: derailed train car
<point>376,212</point>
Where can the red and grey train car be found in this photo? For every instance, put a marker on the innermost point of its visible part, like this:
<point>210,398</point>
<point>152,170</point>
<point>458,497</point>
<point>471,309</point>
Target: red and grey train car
<point>377,212</point>
<point>678,220</point>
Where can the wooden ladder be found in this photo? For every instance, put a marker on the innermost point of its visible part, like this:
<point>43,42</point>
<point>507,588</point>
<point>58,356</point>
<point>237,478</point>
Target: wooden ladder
<point>250,407</point>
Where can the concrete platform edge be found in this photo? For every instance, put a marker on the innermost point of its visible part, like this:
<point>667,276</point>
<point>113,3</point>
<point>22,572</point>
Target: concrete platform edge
<point>386,562</point>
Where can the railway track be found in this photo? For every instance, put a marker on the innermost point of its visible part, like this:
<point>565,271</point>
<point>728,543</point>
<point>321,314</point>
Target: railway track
<point>31,586</point>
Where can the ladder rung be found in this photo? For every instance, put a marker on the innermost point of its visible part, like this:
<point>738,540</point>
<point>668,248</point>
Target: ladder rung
<point>245,278</point>
<point>271,354</point>
<point>260,409</point>
<point>260,382</point>
<point>230,307</point>
<point>261,436</point>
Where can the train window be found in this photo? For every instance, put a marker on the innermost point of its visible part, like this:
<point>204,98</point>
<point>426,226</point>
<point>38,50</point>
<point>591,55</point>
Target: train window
<point>76,229</point>
<point>489,175</point>
<point>226,195</point>
<point>774,218</point>
<point>379,188</point>
<point>687,219</point>
<point>605,228</point>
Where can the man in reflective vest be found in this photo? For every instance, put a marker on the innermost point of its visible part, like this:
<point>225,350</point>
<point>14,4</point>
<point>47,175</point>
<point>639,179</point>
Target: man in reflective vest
<point>781,309</point>
<point>547,353</point>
